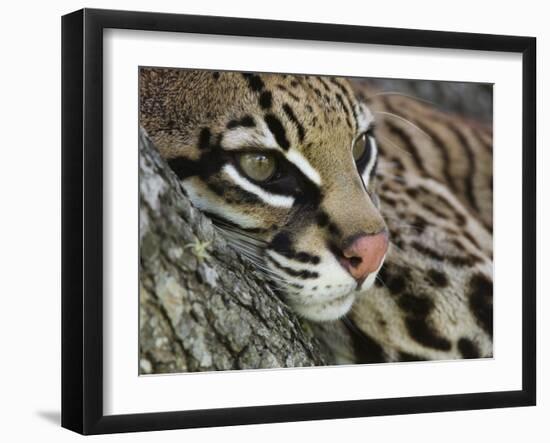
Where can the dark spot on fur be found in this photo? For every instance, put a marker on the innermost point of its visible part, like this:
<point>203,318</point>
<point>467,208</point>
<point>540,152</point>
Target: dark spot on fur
<point>420,223</point>
<point>322,219</point>
<point>405,356</point>
<point>247,121</point>
<point>216,75</point>
<point>412,192</point>
<point>382,276</point>
<point>453,259</point>
<point>302,273</point>
<point>266,100</point>
<point>292,117</point>
<point>289,93</point>
<point>456,242</point>
<point>481,301</point>
<point>204,138</point>
<point>469,260</point>
<point>468,348</point>
<point>394,278</point>
<point>437,278</point>
<point>216,188</point>
<point>417,309</point>
<point>424,334</point>
<point>282,244</point>
<point>471,239</point>
<point>390,201</point>
<point>183,167</point>
<point>278,130</point>
<point>334,229</point>
<point>399,166</point>
<point>396,284</point>
<point>395,234</point>
<point>304,257</point>
<point>399,243</point>
<point>460,219</point>
<point>414,305</point>
<point>254,81</point>
<point>435,211</point>
<point>367,350</point>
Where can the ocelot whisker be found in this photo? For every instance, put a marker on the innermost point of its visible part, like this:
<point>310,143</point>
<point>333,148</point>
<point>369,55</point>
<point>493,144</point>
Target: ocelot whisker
<point>403,119</point>
<point>394,145</point>
<point>380,94</point>
<point>398,178</point>
<point>379,279</point>
<point>405,226</point>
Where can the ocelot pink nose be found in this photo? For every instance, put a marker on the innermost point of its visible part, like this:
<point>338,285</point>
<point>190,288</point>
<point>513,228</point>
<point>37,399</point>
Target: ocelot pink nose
<point>365,254</point>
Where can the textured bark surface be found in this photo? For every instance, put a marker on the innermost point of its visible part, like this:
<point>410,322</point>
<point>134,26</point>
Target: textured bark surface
<point>201,306</point>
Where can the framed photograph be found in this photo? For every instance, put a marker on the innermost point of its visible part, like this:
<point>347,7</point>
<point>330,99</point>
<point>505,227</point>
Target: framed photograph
<point>269,221</point>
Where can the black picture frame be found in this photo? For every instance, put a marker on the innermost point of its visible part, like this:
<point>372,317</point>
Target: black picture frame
<point>82,220</point>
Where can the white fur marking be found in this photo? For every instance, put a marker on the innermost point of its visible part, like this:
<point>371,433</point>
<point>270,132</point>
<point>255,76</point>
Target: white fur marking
<point>372,160</point>
<point>364,118</point>
<point>281,201</point>
<point>303,165</point>
<point>204,203</point>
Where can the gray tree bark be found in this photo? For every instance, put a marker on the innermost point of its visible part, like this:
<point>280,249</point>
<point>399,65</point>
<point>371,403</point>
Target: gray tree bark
<point>202,307</point>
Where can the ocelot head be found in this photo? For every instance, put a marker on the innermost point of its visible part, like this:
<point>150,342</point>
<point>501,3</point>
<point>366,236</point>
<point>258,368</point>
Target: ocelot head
<point>284,165</point>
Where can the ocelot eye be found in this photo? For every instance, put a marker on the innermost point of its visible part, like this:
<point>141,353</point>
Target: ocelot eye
<point>257,166</point>
<point>362,146</point>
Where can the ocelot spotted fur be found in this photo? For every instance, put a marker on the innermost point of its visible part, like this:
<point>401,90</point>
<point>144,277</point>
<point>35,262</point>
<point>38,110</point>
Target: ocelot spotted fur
<point>371,213</point>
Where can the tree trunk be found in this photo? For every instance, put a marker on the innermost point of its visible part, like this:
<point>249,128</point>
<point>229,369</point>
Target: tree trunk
<point>202,307</point>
